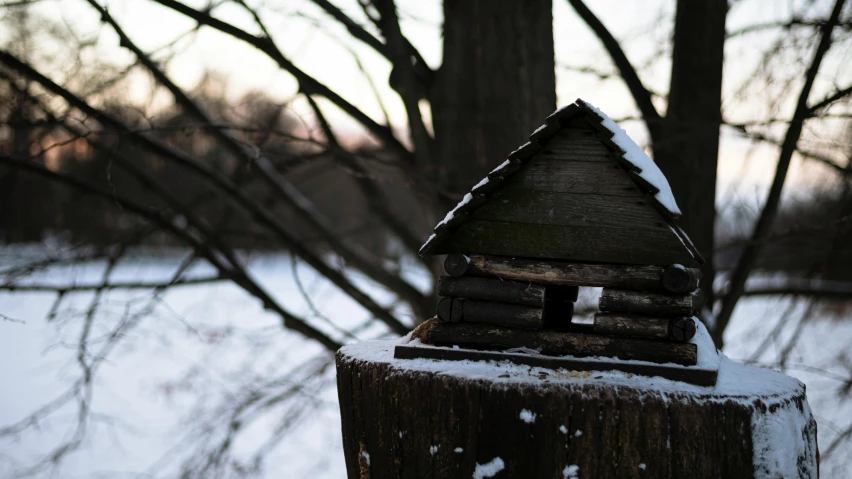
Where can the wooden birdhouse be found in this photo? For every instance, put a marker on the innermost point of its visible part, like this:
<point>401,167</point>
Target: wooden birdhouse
<point>502,382</point>
<point>578,205</point>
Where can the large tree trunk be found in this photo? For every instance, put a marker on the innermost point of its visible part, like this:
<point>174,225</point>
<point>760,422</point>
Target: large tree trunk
<point>688,145</point>
<point>495,86</point>
<point>461,419</point>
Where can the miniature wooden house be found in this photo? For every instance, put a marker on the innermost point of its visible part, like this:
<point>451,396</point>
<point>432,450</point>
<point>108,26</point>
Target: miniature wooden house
<point>580,204</point>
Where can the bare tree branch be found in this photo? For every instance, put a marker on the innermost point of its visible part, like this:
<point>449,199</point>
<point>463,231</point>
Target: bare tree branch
<point>640,94</point>
<point>409,88</point>
<point>235,193</point>
<point>736,284</point>
<point>286,191</point>
<point>307,84</point>
<point>290,321</point>
<point>75,288</point>
<point>787,25</point>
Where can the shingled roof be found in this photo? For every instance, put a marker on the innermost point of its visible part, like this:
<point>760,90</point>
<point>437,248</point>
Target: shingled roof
<point>643,172</point>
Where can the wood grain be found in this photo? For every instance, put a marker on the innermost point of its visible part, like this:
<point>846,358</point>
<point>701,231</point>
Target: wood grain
<point>411,421</point>
<point>627,301</point>
<point>570,209</point>
<point>587,175</point>
<point>501,314</point>
<point>577,244</point>
<point>652,327</point>
<point>492,289</point>
<point>559,273</point>
<point>557,343</point>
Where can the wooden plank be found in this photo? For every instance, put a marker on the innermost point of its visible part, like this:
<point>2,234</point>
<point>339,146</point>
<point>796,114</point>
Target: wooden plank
<point>693,375</point>
<point>570,209</point>
<point>653,327</point>
<point>546,172</point>
<point>628,301</point>
<point>487,289</point>
<point>558,273</point>
<point>550,343</point>
<point>578,244</point>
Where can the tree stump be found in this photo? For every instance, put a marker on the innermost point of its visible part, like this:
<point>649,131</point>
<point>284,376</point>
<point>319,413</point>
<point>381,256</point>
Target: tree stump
<point>461,419</point>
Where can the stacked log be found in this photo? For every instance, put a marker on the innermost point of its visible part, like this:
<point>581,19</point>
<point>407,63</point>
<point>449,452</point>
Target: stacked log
<point>490,302</point>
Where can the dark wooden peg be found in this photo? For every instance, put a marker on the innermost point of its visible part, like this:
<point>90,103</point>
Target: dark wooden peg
<point>456,264</point>
<point>683,329</point>
<point>680,279</point>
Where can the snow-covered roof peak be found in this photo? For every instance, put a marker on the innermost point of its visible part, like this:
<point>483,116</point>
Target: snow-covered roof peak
<point>648,170</point>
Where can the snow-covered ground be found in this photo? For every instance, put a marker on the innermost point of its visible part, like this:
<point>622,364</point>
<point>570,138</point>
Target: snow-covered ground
<point>226,340</point>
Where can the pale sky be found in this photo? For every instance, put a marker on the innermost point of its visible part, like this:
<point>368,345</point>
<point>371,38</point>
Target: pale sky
<point>320,46</point>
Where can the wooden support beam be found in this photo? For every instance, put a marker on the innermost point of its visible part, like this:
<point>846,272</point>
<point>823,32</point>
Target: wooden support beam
<point>652,304</point>
<point>492,289</point>
<point>480,336</point>
<point>560,273</point>
<point>625,324</point>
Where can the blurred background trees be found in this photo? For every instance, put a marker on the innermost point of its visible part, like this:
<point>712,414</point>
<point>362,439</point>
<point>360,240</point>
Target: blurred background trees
<point>109,153</point>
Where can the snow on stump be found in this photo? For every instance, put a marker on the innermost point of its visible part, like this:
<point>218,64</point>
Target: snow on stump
<point>461,419</point>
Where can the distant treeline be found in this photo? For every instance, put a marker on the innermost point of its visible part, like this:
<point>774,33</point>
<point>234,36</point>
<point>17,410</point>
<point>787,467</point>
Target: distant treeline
<point>33,207</point>
<point>813,235</point>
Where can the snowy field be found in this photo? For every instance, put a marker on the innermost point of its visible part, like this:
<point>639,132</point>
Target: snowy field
<point>208,341</point>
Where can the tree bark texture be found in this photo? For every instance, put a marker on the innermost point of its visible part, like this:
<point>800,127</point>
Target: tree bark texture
<point>687,147</point>
<point>495,86</point>
<point>426,419</point>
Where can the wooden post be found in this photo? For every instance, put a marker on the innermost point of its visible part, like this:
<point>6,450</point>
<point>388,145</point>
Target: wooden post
<point>648,303</point>
<point>425,419</point>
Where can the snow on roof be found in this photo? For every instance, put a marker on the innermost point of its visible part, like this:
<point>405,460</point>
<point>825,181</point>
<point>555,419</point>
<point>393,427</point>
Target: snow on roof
<point>635,155</point>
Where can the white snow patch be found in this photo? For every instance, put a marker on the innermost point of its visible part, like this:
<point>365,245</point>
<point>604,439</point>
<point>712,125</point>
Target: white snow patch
<point>502,165</point>
<point>563,429</point>
<point>635,155</point>
<point>489,469</point>
<point>458,450</point>
<point>570,472</point>
<point>431,237</point>
<point>481,183</point>
<point>452,214</point>
<point>433,449</point>
<point>539,129</point>
<point>578,433</point>
<point>366,456</point>
<point>527,416</point>
<point>642,466</point>
<point>779,443</point>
